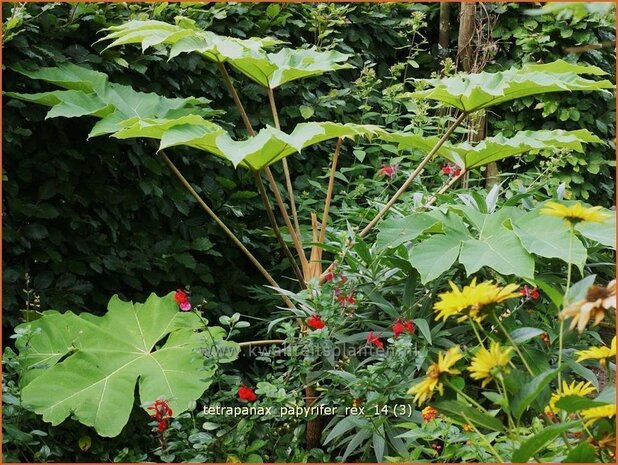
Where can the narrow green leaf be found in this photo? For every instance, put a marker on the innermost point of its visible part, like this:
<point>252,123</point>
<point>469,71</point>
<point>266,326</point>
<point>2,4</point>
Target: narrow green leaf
<point>465,414</point>
<point>530,391</point>
<point>539,440</point>
<point>525,334</point>
<point>582,453</point>
<point>423,326</point>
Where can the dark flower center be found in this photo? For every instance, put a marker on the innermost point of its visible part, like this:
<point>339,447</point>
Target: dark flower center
<point>597,292</point>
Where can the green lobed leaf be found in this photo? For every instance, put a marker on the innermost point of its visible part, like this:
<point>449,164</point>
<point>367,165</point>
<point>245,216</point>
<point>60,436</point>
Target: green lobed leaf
<point>472,92</point>
<point>501,251</point>
<point>497,147</point>
<point>88,366</point>
<point>267,147</point>
<point>245,55</point>
<point>604,233</point>
<point>549,236</point>
<point>434,256</point>
<point>397,231</point>
<point>90,93</point>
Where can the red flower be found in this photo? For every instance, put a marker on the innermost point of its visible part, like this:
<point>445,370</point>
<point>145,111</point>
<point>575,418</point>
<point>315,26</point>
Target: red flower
<point>451,169</point>
<point>390,170</point>
<point>162,426</point>
<point>315,322</point>
<point>375,340</point>
<point>181,297</point>
<point>398,328</point>
<point>246,393</point>
<point>329,276</point>
<point>429,413</point>
<point>403,326</point>
<point>346,299</point>
<point>529,293</point>
<point>161,413</point>
<point>342,279</point>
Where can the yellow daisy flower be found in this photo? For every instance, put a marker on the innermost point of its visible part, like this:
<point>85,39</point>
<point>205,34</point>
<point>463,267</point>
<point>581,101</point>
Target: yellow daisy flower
<point>469,301</point>
<point>424,390</point>
<point>598,300</point>
<point>487,364</point>
<point>598,353</point>
<point>596,413</point>
<point>574,213</point>
<point>574,389</point>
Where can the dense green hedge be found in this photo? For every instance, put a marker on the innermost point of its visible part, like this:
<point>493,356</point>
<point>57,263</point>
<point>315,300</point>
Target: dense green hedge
<point>87,219</point>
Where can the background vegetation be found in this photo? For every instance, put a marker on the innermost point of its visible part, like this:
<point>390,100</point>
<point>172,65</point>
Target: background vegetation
<point>83,220</point>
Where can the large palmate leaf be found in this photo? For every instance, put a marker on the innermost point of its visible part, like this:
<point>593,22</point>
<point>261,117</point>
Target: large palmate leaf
<point>548,236</point>
<point>90,93</point>
<point>506,240</point>
<point>273,69</point>
<point>497,147</point>
<point>268,146</point>
<point>472,92</point>
<point>246,55</point>
<point>88,366</point>
<point>183,37</point>
<point>604,233</point>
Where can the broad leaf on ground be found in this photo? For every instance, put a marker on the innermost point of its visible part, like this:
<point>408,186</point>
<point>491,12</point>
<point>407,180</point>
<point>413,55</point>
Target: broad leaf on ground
<point>88,366</point>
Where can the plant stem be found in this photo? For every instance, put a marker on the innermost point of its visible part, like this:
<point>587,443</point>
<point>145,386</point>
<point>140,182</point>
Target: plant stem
<point>247,123</point>
<point>329,192</point>
<point>478,336</point>
<point>223,226</point>
<point>508,336</point>
<point>286,219</point>
<point>482,436</point>
<point>414,174</point>
<point>444,188</point>
<point>284,161</point>
<point>468,398</point>
<point>271,216</point>
<point>504,392</point>
<point>566,293</point>
<point>267,342</point>
<point>236,98</point>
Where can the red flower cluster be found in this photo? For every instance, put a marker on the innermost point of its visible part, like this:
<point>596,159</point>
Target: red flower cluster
<point>375,340</point>
<point>246,393</point>
<point>330,276</point>
<point>315,322</point>
<point>529,293</point>
<point>390,171</point>
<point>346,299</point>
<point>429,413</point>
<point>451,169</point>
<point>182,299</point>
<point>403,326</point>
<point>161,413</point>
